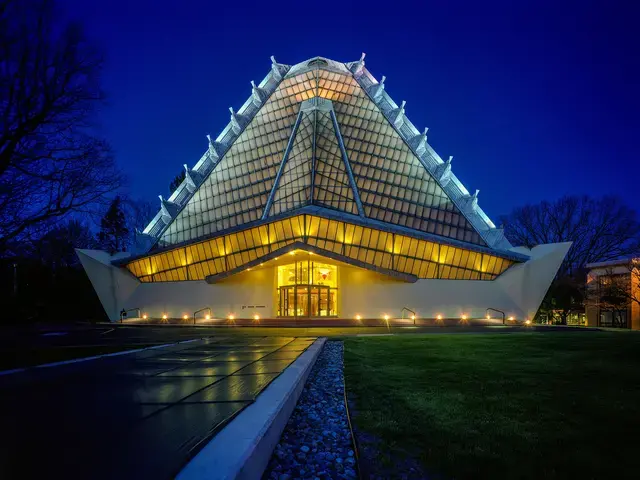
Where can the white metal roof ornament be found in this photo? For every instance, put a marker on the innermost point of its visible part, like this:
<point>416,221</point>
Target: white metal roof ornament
<point>236,125</point>
<point>443,171</point>
<point>258,95</point>
<point>472,201</point>
<point>419,142</point>
<point>397,115</point>
<point>168,209</point>
<point>213,148</point>
<point>377,89</point>
<point>192,178</point>
<point>277,69</point>
<point>358,67</point>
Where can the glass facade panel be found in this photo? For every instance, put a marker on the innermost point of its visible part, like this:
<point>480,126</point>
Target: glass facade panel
<point>392,183</point>
<point>400,253</point>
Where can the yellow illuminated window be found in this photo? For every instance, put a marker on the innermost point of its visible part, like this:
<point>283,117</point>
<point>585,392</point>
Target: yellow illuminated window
<point>401,253</point>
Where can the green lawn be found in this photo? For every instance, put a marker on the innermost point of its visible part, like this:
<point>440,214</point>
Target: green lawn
<point>523,405</point>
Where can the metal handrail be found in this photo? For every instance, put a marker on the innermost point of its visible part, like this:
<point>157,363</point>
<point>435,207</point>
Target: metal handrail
<point>408,310</point>
<point>499,311</point>
<point>123,313</point>
<point>198,311</point>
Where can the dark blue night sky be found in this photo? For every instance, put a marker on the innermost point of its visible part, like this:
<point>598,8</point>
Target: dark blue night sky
<point>534,99</point>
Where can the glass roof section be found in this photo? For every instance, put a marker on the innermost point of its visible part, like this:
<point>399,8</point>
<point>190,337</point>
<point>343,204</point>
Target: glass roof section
<point>352,155</point>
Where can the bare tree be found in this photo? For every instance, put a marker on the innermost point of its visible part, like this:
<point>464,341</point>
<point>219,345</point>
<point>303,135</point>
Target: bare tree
<point>52,163</point>
<point>600,229</point>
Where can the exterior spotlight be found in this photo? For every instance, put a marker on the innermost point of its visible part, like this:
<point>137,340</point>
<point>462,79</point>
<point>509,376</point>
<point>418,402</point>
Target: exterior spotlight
<point>144,316</point>
<point>527,322</point>
<point>231,317</point>
<point>358,317</point>
<point>292,252</point>
<point>276,258</point>
<point>511,319</point>
<point>185,317</point>
<point>463,317</point>
<point>488,317</point>
<point>207,317</point>
<point>164,317</point>
<point>256,317</point>
<point>386,317</point>
<point>439,317</point>
<point>413,317</point>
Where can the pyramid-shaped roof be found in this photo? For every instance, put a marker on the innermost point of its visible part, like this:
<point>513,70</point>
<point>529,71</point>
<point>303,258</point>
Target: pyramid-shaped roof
<point>322,135</point>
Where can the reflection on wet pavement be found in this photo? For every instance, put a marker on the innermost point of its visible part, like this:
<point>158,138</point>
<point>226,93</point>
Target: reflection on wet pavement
<point>141,415</point>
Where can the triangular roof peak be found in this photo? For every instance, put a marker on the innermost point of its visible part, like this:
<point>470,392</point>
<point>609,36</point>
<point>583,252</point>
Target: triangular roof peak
<point>315,63</point>
<point>416,182</point>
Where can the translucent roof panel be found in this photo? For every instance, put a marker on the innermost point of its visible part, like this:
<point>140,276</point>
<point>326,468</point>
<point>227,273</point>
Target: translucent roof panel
<point>390,181</point>
<point>331,182</point>
<point>393,185</point>
<point>294,189</point>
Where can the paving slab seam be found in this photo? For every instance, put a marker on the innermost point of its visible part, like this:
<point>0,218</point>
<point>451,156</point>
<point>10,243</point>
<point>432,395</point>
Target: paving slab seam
<point>221,379</point>
<point>94,357</point>
<point>242,449</point>
<point>186,364</point>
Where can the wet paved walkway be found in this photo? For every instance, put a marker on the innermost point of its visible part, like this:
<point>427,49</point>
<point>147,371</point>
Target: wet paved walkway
<point>141,415</point>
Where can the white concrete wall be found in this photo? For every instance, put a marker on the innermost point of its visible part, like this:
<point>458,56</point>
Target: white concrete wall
<point>242,295</point>
<point>372,296</point>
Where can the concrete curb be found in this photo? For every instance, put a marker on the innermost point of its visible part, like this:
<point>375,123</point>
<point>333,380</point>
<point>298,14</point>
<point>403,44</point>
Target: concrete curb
<point>242,449</point>
<point>94,357</point>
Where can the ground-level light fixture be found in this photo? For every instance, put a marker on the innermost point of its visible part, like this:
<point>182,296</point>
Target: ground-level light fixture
<point>358,317</point>
<point>438,317</point>
<point>292,252</point>
<point>185,317</point>
<point>463,317</point>
<point>386,317</point>
<point>231,316</point>
<point>164,316</point>
<point>413,317</point>
<point>145,316</point>
<point>488,317</point>
<point>527,322</point>
<point>207,317</point>
<point>511,319</point>
<point>256,317</point>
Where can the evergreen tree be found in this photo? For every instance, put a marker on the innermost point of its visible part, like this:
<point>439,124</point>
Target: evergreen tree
<point>175,183</point>
<point>113,228</point>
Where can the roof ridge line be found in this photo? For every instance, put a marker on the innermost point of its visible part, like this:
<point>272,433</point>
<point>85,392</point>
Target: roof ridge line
<point>153,228</point>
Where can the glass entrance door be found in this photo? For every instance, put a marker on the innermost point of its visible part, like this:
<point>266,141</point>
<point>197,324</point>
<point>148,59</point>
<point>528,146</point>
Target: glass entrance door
<point>306,301</point>
<point>302,301</point>
<point>307,289</point>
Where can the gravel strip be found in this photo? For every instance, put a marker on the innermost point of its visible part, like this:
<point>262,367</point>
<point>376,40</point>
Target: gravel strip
<point>316,443</point>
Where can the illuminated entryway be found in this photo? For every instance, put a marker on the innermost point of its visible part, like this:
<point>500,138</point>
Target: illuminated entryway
<point>307,289</point>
